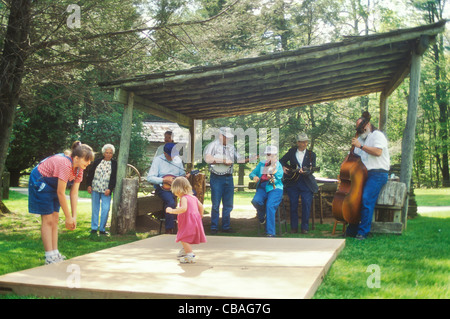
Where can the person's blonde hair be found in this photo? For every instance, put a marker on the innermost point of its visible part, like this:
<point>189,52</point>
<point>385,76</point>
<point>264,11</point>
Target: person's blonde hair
<point>181,186</point>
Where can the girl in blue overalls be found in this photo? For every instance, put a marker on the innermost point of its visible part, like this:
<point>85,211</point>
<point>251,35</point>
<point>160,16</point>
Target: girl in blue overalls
<point>46,188</point>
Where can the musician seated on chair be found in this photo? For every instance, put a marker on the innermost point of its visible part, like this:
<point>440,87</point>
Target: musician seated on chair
<point>268,176</point>
<point>298,166</point>
<point>163,171</point>
<point>372,146</point>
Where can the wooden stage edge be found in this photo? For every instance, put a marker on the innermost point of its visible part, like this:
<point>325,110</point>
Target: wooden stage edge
<point>226,267</point>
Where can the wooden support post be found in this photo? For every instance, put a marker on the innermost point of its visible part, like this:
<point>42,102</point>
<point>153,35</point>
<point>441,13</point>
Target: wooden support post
<point>410,130</point>
<point>383,112</point>
<point>122,160</point>
<point>192,145</point>
<point>126,219</point>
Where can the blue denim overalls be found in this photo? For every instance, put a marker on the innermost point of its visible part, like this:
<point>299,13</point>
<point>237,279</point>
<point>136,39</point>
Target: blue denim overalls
<point>42,191</point>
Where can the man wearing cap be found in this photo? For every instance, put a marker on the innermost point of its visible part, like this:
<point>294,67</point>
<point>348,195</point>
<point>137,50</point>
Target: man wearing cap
<point>220,155</point>
<point>372,146</point>
<point>168,138</point>
<point>163,168</point>
<point>268,175</point>
<point>303,160</point>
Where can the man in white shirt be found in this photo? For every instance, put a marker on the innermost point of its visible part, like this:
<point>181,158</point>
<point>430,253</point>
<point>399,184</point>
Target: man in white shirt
<point>162,172</point>
<point>220,154</point>
<point>372,146</point>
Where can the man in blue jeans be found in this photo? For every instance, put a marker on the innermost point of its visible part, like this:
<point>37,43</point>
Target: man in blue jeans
<point>303,160</point>
<point>220,155</point>
<point>372,146</point>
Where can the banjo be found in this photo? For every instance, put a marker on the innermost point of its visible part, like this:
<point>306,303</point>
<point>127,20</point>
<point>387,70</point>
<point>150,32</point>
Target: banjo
<point>224,169</point>
<point>221,169</point>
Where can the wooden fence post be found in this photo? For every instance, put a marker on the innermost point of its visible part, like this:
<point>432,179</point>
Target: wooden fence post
<point>126,216</point>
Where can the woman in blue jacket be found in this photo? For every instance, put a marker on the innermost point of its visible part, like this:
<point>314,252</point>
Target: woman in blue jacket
<point>268,175</point>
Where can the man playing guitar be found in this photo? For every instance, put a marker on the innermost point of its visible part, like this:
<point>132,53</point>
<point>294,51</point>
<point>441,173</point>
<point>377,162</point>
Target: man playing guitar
<point>303,160</point>
<point>161,173</point>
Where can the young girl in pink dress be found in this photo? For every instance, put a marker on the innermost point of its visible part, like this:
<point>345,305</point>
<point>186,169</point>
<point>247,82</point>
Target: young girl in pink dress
<point>190,213</point>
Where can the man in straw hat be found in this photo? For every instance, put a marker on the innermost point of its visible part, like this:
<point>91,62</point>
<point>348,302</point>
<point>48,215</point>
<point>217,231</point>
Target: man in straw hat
<point>220,154</point>
<point>299,181</point>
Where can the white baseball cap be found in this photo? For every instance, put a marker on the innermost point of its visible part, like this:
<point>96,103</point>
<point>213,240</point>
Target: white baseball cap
<point>226,131</point>
<point>271,149</point>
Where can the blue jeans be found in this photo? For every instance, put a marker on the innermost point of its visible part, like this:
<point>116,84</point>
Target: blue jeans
<point>374,183</point>
<point>169,200</point>
<point>222,190</point>
<point>100,200</point>
<point>294,191</point>
<point>266,204</point>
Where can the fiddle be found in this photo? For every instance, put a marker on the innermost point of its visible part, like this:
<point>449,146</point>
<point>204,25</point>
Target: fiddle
<point>271,170</point>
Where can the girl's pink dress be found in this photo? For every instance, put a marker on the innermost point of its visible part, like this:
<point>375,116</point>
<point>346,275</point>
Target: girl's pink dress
<point>190,225</point>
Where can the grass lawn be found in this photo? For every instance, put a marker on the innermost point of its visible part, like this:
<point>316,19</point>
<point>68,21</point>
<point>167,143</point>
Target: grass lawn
<point>413,265</point>
<point>432,197</point>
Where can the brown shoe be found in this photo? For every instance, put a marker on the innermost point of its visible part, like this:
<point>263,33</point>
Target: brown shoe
<point>304,231</point>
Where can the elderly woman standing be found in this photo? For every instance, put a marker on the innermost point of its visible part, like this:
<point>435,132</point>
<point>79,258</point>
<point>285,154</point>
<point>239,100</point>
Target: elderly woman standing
<point>101,182</point>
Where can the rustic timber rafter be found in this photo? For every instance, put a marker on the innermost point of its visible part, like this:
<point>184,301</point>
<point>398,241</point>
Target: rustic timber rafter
<point>356,66</point>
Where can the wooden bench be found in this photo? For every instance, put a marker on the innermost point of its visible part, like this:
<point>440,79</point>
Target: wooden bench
<point>388,209</point>
<point>150,206</point>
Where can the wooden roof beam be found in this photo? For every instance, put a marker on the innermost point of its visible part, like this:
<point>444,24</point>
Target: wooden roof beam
<point>150,107</point>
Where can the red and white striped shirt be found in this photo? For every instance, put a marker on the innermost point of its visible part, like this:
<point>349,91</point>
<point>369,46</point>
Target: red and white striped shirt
<point>60,167</point>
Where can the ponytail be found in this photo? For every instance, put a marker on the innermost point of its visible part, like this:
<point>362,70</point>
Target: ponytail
<point>82,151</point>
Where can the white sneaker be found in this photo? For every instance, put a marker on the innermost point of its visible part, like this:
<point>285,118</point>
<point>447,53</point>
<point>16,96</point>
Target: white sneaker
<point>61,257</point>
<point>181,253</point>
<point>52,260</point>
<point>188,259</point>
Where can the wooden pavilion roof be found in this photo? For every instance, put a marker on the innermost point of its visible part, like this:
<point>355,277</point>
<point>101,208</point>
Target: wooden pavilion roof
<point>310,75</point>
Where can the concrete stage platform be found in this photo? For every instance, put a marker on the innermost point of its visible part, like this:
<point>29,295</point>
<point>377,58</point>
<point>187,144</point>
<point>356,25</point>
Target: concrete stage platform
<point>226,267</point>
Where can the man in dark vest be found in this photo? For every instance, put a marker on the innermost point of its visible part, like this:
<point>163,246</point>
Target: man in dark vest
<point>299,181</point>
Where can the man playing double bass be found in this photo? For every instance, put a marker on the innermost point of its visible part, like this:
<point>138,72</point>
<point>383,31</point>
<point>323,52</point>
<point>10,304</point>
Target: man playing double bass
<point>372,145</point>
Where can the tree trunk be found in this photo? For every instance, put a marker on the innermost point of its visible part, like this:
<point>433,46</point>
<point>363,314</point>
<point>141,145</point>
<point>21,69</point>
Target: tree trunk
<point>15,52</point>
<point>442,101</point>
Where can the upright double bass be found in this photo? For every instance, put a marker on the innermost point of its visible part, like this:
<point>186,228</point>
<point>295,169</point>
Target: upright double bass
<point>347,200</point>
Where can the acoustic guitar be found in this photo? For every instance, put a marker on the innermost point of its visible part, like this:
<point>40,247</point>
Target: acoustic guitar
<point>293,174</point>
<point>167,185</point>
